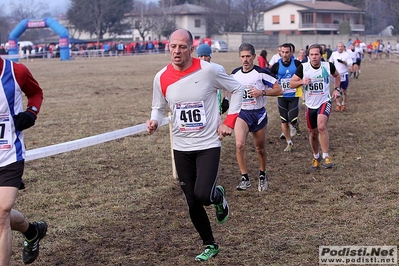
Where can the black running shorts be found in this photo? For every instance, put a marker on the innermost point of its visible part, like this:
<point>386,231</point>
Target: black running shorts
<point>11,175</point>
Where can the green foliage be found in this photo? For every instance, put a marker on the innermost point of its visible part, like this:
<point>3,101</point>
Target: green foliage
<point>99,16</point>
<point>344,27</point>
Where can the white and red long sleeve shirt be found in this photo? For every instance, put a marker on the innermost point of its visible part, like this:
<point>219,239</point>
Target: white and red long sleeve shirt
<point>192,98</point>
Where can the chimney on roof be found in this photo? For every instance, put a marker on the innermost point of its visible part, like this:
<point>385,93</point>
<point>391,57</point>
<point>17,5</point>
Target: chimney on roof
<point>313,1</point>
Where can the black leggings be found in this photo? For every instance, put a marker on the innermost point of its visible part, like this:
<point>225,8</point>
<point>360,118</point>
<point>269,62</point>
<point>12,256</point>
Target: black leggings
<point>198,172</point>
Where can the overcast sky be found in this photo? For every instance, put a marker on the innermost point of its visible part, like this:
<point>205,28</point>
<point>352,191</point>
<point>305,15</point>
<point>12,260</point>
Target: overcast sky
<point>57,6</point>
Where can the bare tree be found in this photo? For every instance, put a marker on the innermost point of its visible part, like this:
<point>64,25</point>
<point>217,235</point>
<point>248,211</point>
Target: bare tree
<point>99,16</point>
<point>224,16</point>
<point>24,9</point>
<point>164,24</point>
<point>393,5</point>
<point>143,17</point>
<point>29,9</point>
<point>252,12</point>
<point>380,14</point>
<point>5,25</point>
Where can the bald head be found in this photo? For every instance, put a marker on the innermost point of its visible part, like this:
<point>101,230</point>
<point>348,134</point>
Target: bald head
<point>183,32</point>
<point>181,48</point>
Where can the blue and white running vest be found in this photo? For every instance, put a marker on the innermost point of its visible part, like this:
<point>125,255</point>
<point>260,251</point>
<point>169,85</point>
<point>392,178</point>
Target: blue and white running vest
<point>12,146</point>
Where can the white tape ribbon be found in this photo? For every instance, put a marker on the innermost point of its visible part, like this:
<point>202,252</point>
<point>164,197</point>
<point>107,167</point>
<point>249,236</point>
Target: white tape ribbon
<point>86,142</point>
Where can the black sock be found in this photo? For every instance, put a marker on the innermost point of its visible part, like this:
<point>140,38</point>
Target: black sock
<point>245,177</point>
<point>31,233</point>
<point>262,173</point>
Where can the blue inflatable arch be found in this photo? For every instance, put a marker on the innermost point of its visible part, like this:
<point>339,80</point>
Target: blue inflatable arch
<point>40,23</point>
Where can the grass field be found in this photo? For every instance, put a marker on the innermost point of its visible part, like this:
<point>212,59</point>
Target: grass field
<point>117,204</point>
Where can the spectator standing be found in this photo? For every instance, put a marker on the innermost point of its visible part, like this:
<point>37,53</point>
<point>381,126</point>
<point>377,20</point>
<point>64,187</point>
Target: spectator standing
<point>2,50</point>
<point>262,59</point>
<point>121,48</point>
<point>106,48</point>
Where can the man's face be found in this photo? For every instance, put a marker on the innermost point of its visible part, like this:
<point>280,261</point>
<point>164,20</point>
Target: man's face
<point>247,60</point>
<point>302,54</point>
<point>315,57</point>
<point>340,47</point>
<point>206,58</point>
<point>285,54</point>
<point>180,50</point>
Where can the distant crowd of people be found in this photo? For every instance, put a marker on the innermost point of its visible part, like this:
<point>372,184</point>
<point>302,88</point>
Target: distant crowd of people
<point>120,48</point>
<point>40,50</point>
<point>106,48</point>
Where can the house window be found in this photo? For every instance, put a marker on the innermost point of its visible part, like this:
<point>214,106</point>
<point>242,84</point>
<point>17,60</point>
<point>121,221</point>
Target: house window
<point>292,19</point>
<point>197,23</point>
<point>276,19</point>
<point>276,33</point>
<point>307,18</point>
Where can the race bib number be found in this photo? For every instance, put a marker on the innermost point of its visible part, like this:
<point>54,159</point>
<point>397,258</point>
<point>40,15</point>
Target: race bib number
<point>285,85</point>
<point>190,116</point>
<point>5,132</point>
<point>316,87</point>
<point>247,99</point>
<point>343,77</point>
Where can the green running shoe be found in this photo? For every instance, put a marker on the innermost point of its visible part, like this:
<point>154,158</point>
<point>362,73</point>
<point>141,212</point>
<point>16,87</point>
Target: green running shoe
<point>222,209</point>
<point>209,252</point>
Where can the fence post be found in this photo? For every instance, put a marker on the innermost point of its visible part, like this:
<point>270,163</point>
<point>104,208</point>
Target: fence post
<point>174,174</point>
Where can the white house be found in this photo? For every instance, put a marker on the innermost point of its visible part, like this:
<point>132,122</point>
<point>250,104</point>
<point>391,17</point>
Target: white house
<point>311,17</point>
<point>188,16</point>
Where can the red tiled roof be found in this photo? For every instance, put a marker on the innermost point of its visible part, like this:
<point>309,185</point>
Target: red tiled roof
<point>320,6</point>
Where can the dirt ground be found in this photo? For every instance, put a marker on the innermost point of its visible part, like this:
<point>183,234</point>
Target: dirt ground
<point>117,204</point>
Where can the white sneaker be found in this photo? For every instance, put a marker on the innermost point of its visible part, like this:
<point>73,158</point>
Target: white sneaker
<point>263,183</point>
<point>289,147</point>
<point>292,131</point>
<point>244,184</point>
